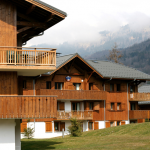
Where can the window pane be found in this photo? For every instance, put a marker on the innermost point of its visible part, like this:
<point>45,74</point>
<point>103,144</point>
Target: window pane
<point>78,106</point>
<point>55,85</point>
<point>91,106</point>
<point>90,125</point>
<point>111,87</point>
<point>112,106</point>
<point>77,86</point>
<point>73,106</point>
<point>118,87</point>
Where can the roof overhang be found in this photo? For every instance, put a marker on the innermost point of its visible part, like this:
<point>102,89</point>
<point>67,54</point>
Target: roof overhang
<point>34,17</point>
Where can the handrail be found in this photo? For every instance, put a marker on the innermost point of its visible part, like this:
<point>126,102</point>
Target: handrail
<point>26,47</point>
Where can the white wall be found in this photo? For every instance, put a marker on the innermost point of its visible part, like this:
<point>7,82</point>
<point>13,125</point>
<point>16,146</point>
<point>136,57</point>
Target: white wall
<point>127,122</point>
<point>7,134</point>
<point>85,126</point>
<point>101,124</point>
<point>40,131</point>
<point>68,106</point>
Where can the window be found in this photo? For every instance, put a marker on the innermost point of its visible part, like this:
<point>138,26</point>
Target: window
<point>75,106</point>
<point>112,106</point>
<point>118,106</point>
<point>118,123</point>
<point>56,126</point>
<point>132,89</point>
<point>132,106</point>
<point>90,125</point>
<point>91,106</point>
<point>59,85</point>
<point>111,124</point>
<point>24,84</point>
<point>90,86</point>
<point>77,86</point>
<point>111,87</point>
<point>118,87</point>
<point>48,85</point>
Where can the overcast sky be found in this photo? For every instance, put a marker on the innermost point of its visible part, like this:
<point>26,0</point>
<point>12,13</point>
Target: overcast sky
<point>86,18</point>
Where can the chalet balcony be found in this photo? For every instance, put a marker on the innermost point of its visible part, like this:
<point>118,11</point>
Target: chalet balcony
<point>139,114</point>
<point>27,61</point>
<point>80,115</point>
<point>24,107</point>
<point>74,94</point>
<point>139,97</point>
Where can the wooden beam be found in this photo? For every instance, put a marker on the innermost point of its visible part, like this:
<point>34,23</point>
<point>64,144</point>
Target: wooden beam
<point>78,68</point>
<point>70,74</point>
<point>32,24</point>
<point>23,29</point>
<point>90,76</point>
<point>53,76</point>
<point>65,68</point>
<point>50,17</point>
<point>26,17</point>
<point>71,65</point>
<point>30,9</point>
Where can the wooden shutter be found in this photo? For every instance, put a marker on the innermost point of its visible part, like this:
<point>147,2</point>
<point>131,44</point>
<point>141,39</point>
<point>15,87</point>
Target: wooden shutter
<point>96,106</point>
<point>23,126</point>
<point>62,126</point>
<point>123,106</point>
<point>107,124</point>
<point>48,126</point>
<point>61,106</point>
<point>108,106</point>
<point>96,125</point>
<point>123,123</point>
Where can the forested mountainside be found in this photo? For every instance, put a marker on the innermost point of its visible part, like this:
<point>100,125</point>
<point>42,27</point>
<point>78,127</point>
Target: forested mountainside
<point>136,56</point>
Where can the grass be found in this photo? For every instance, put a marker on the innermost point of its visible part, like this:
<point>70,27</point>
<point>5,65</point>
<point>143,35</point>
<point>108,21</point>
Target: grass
<point>127,137</point>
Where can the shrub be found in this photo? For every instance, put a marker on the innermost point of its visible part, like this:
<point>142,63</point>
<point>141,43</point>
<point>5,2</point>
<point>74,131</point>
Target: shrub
<point>75,127</point>
<point>28,132</point>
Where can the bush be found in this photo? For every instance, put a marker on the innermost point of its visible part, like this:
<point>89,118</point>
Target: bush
<point>75,127</point>
<point>28,132</point>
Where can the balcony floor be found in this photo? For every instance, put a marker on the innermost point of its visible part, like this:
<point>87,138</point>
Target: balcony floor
<point>27,70</point>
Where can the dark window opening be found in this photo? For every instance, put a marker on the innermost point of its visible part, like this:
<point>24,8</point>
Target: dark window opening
<point>75,106</point>
<point>132,106</point>
<point>77,86</point>
<point>118,106</point>
<point>24,84</point>
<point>112,106</point>
<point>132,89</point>
<point>118,87</point>
<point>118,123</point>
<point>111,87</point>
<point>59,85</point>
<point>90,86</point>
<point>91,106</point>
<point>48,85</point>
<point>56,126</point>
<point>91,125</point>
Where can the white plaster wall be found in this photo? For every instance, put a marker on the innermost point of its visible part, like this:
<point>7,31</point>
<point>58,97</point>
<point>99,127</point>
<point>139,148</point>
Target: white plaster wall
<point>85,126</point>
<point>7,134</point>
<point>127,121</point>
<point>101,124</point>
<point>68,106</point>
<point>40,131</point>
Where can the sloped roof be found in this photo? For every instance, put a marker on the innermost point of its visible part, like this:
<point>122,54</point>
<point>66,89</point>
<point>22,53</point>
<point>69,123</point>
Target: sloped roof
<point>47,5</point>
<point>114,70</point>
<point>144,88</point>
<point>105,68</point>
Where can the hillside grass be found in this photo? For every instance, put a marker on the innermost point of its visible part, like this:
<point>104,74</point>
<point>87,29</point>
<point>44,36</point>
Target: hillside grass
<point>127,137</point>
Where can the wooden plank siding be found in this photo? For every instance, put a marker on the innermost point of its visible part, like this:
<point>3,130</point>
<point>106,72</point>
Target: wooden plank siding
<point>74,94</point>
<point>139,114</point>
<point>24,107</point>
<point>139,97</point>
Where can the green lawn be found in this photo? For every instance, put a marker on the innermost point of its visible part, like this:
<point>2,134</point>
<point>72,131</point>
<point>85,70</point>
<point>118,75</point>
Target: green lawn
<point>133,136</point>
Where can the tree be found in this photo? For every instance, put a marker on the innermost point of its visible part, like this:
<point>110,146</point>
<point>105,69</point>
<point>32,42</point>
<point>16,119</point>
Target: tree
<point>75,127</point>
<point>28,132</point>
<point>115,54</point>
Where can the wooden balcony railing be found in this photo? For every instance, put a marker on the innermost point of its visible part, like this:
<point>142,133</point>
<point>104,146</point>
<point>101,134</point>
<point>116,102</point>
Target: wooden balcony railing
<point>81,115</point>
<point>139,114</point>
<point>24,107</point>
<point>26,56</point>
<point>139,97</point>
<point>74,94</point>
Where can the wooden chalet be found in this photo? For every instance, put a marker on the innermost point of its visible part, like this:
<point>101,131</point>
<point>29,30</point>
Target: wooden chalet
<point>100,94</point>
<point>20,21</point>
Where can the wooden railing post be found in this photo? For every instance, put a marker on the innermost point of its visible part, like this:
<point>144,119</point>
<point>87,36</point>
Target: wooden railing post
<point>15,57</point>
<point>35,56</point>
